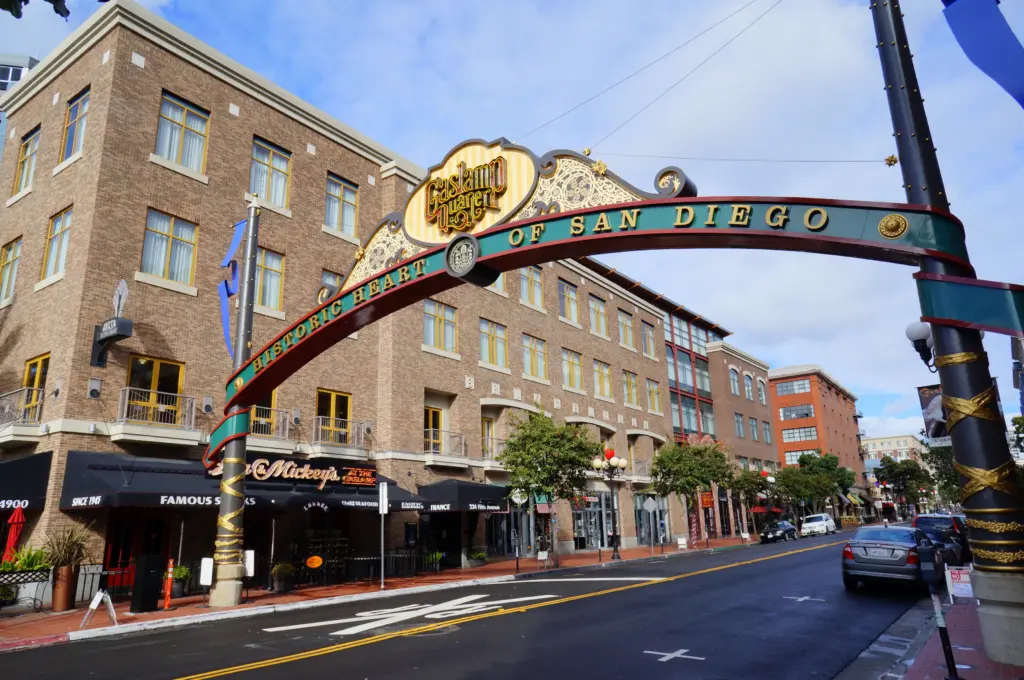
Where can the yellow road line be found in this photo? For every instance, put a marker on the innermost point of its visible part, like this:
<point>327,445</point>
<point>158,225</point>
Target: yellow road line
<point>331,649</point>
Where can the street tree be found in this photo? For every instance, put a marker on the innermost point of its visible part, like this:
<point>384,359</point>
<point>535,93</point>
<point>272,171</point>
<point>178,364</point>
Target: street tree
<point>750,484</point>
<point>906,477</point>
<point>947,481</point>
<point>543,457</point>
<point>689,467</point>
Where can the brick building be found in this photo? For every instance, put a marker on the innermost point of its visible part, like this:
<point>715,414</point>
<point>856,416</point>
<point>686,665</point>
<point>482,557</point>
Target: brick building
<point>136,148</point>
<point>813,412</point>
<point>743,409</point>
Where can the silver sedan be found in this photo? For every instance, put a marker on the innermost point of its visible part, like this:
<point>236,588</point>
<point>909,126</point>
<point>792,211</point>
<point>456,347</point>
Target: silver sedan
<point>880,554</point>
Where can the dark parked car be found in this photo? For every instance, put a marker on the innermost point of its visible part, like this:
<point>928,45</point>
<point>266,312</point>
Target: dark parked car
<point>880,554</point>
<point>779,531</point>
<point>953,523</point>
<point>945,540</point>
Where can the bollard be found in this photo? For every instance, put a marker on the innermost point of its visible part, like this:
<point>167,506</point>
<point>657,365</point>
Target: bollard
<point>168,582</point>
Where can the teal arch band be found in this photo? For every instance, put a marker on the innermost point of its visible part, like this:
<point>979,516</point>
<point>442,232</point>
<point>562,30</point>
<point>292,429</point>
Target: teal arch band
<point>971,303</point>
<point>849,228</point>
<point>231,427</point>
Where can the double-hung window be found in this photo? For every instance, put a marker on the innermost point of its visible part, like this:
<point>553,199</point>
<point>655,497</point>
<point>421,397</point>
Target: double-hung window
<point>26,162</point>
<point>269,279</point>
<point>602,379</point>
<point>626,338</point>
<point>439,326</point>
<point>169,248</point>
<point>598,316</point>
<point>531,289</point>
<point>9,256</point>
<point>630,388</point>
<point>57,236</point>
<point>270,173</point>
<point>182,132</point>
<point>572,369</point>
<point>342,205</point>
<point>493,344</point>
<point>653,396</point>
<point>535,357</point>
<point>568,308</point>
<point>74,125</point>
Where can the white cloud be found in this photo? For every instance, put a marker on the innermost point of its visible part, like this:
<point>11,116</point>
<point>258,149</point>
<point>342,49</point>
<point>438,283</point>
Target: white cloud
<point>803,83</point>
<point>888,426</point>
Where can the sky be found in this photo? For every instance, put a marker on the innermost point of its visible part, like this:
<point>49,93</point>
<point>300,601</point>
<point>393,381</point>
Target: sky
<point>801,83</point>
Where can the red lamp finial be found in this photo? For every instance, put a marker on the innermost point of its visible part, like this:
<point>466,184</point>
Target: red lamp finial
<point>609,454</point>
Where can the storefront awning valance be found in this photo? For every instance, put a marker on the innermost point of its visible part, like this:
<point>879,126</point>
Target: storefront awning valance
<point>23,481</point>
<point>454,495</point>
<point>854,499</point>
<point>114,480</point>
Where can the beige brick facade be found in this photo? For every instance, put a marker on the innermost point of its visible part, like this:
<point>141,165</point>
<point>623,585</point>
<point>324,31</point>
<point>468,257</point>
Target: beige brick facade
<point>126,58</point>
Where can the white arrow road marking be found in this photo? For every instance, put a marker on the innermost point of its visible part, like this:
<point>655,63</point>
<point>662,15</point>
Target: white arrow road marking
<point>678,654</point>
<point>805,598</point>
<point>386,617</point>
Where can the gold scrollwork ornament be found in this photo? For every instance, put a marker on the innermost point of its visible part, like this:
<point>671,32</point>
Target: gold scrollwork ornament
<point>958,358</point>
<point>893,226</point>
<point>1002,478</point>
<point>995,527</point>
<point>977,406</point>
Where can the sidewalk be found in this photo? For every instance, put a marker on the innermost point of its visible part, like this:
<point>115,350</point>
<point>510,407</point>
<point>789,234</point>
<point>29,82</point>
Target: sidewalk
<point>968,651</point>
<point>19,630</point>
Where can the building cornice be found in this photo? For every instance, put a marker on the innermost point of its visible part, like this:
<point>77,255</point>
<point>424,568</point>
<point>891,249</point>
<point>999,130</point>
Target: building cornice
<point>805,370</point>
<point>139,20</point>
<point>725,347</point>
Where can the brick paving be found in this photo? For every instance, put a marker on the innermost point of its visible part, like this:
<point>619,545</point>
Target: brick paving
<point>968,651</point>
<point>20,629</point>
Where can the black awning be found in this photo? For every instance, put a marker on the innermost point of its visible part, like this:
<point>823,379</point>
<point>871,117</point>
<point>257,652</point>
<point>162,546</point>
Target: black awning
<point>23,481</point>
<point>399,499</point>
<point>116,480</point>
<point>453,495</point>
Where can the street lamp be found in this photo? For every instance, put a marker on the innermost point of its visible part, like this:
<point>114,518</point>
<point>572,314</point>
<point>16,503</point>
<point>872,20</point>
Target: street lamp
<point>611,466</point>
<point>920,336</point>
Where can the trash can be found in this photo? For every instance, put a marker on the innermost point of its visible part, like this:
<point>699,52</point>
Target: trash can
<point>148,583</point>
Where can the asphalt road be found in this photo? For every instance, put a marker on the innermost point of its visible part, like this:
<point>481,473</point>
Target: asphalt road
<point>763,612</point>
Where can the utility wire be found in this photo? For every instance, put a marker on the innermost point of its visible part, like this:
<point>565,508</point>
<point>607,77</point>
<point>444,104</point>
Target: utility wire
<point>637,72</point>
<point>689,73</point>
<point>746,160</point>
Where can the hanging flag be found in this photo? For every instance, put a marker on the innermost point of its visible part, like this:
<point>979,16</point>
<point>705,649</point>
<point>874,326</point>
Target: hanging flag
<point>988,41</point>
<point>228,288</point>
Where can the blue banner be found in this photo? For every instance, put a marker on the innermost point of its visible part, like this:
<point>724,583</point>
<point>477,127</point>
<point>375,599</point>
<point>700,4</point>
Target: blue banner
<point>988,41</point>
<point>227,289</point>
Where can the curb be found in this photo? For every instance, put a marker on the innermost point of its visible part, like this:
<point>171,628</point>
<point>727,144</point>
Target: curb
<point>181,621</point>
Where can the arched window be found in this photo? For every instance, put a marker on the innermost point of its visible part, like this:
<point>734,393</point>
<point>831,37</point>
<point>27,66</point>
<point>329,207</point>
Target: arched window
<point>748,387</point>
<point>761,393</point>
<point>734,381</point>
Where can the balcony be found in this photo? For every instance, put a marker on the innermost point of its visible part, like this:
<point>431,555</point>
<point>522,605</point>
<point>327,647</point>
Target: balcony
<point>861,434</point>
<point>444,448</point>
<point>858,414</point>
<point>492,449</point>
<point>19,416</point>
<point>340,438</point>
<point>270,431</point>
<point>151,417</point>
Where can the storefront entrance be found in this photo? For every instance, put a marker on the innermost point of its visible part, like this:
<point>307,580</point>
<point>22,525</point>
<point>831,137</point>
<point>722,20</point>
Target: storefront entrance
<point>131,533</point>
<point>504,532</point>
<point>592,521</point>
<point>645,521</point>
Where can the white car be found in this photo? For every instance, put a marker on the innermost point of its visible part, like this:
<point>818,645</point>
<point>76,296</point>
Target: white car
<point>818,524</point>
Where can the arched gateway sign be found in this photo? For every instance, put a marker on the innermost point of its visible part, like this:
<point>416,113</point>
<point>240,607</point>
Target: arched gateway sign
<point>493,207</point>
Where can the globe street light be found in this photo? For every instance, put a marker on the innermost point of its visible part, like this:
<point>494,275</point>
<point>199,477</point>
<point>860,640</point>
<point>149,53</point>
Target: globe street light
<point>611,466</point>
<point>920,336</point>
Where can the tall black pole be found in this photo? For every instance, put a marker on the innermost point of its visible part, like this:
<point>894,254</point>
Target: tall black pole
<point>615,515</point>
<point>989,493</point>
<point>227,553</point>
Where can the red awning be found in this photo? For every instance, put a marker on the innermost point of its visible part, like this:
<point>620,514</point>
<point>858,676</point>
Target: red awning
<point>760,509</point>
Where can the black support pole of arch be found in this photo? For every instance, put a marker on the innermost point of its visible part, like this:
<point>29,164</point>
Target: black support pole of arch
<point>990,496</point>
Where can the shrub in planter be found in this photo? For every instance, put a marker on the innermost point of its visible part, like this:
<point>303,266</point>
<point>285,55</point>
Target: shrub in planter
<point>477,558</point>
<point>65,550</point>
<point>284,577</point>
<point>180,576</point>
